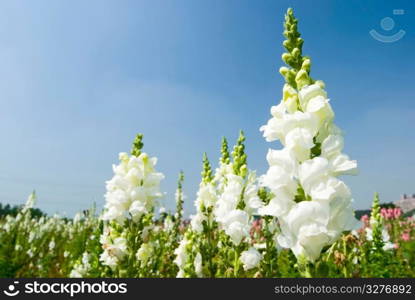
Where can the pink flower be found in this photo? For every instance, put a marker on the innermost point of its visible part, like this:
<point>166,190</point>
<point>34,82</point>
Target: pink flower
<point>384,212</point>
<point>365,220</point>
<point>397,212</point>
<point>405,236</point>
<point>391,213</point>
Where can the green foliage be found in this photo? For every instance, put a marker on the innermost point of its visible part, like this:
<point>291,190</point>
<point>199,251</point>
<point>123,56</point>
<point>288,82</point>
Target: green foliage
<point>14,210</point>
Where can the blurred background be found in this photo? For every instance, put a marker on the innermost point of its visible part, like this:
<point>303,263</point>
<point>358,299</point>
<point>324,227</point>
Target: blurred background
<point>78,80</point>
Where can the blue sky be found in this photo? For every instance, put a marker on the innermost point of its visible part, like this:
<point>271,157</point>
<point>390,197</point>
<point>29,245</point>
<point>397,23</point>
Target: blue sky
<point>78,80</point>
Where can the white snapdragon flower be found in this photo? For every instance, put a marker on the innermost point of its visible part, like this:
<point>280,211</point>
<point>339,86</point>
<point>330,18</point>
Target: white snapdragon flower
<point>52,245</point>
<point>115,249</point>
<point>299,172</point>
<point>220,175</point>
<point>236,225</point>
<point>309,92</point>
<point>235,222</point>
<point>387,244</point>
<point>108,260</point>
<point>250,258</point>
<point>290,95</point>
<point>198,265</point>
<point>252,201</point>
<point>369,233</point>
<point>229,198</point>
<point>76,272</point>
<point>133,188</point>
<point>304,229</point>
<point>340,164</point>
<point>300,142</point>
<point>303,124</point>
<point>168,224</point>
<point>235,190</point>
<point>181,256</point>
<point>272,130</point>
<point>82,268</point>
<point>341,218</point>
<point>206,196</point>
<point>321,109</point>
<point>196,222</point>
<point>280,179</point>
<point>31,200</point>
<point>145,252</point>
<point>30,253</point>
<point>118,248</point>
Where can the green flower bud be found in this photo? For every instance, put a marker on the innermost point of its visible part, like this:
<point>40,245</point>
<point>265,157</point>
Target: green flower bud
<point>302,79</point>
<point>290,78</point>
<point>137,145</point>
<point>243,170</point>
<point>207,175</point>
<point>225,158</point>
<point>321,84</point>
<point>306,65</point>
<point>287,44</point>
<point>287,58</point>
<point>293,57</point>
<point>296,52</point>
<point>284,71</point>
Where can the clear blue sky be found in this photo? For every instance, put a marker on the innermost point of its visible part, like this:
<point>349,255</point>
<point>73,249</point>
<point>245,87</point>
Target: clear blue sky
<point>78,80</point>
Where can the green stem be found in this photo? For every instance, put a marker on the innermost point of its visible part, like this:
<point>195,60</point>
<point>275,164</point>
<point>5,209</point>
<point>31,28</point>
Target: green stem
<point>236,262</point>
<point>308,272</point>
<point>210,246</point>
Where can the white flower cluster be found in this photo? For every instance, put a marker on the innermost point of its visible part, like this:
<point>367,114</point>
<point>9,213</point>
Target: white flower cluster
<point>234,221</point>
<point>250,258</point>
<point>81,269</point>
<point>133,189</point>
<point>183,258</point>
<point>115,248</point>
<point>312,205</point>
<point>145,252</point>
<point>31,200</point>
<point>206,198</point>
<point>387,244</point>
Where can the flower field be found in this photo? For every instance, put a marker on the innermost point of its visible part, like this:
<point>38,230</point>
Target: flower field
<point>296,220</point>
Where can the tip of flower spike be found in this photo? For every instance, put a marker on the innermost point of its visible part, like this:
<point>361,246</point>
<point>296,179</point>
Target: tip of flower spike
<point>225,158</point>
<point>376,199</point>
<point>298,75</point>
<point>375,214</point>
<point>207,170</point>
<point>137,145</point>
<point>181,179</point>
<point>239,156</point>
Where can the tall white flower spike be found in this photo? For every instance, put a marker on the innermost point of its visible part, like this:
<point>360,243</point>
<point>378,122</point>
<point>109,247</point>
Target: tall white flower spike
<point>312,205</point>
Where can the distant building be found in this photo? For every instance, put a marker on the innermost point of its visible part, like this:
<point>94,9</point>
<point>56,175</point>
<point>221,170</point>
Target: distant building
<point>406,203</point>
